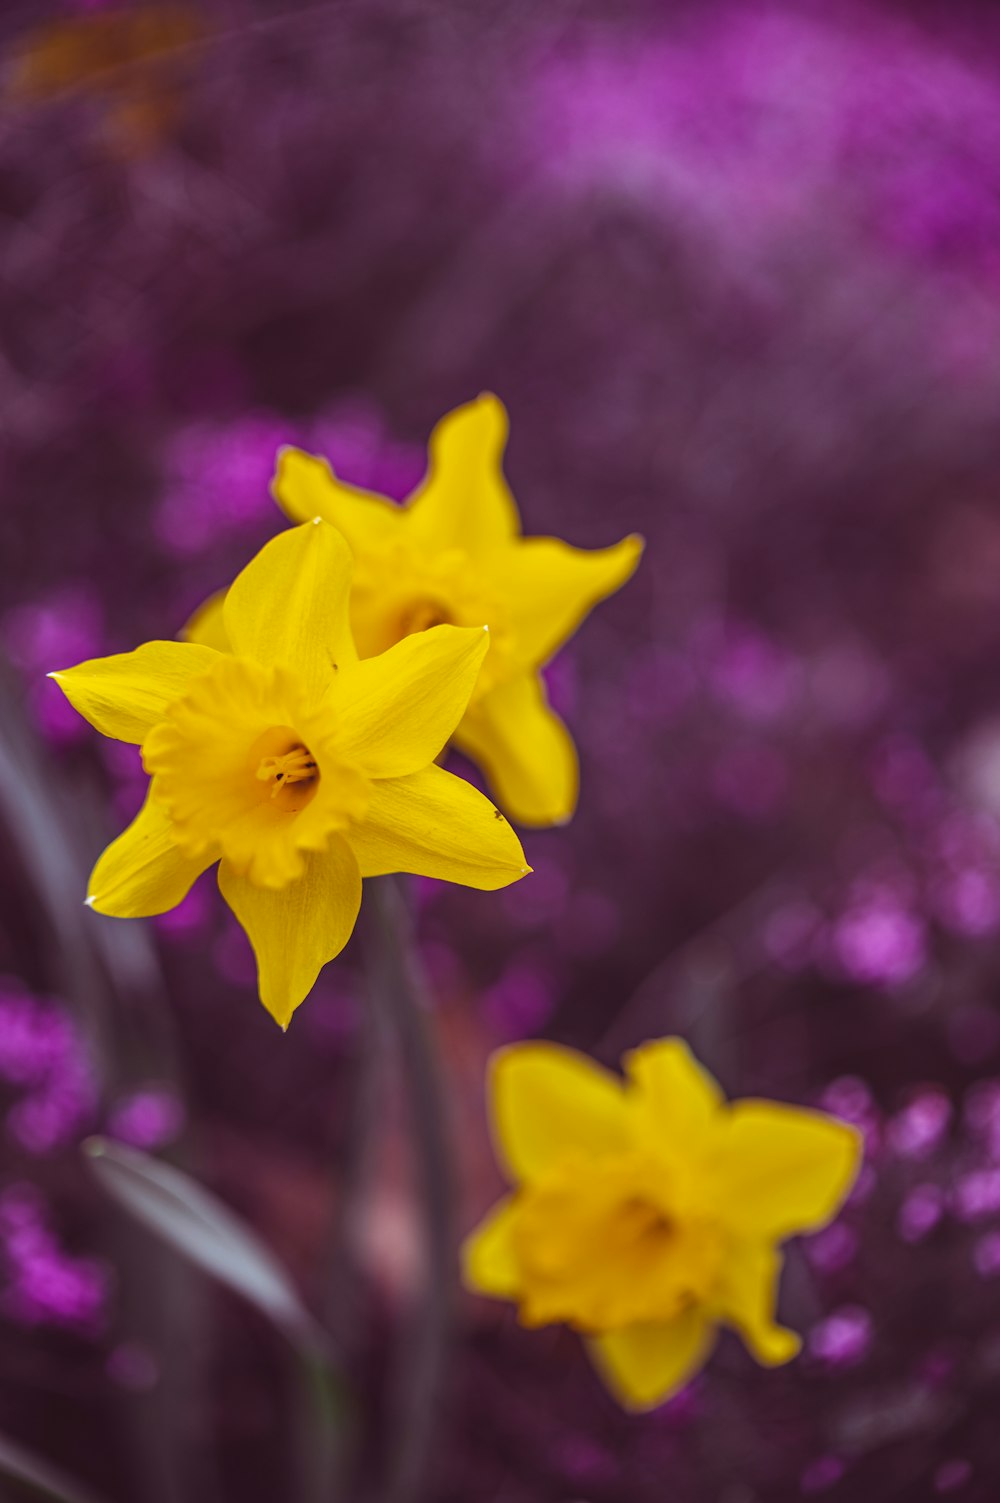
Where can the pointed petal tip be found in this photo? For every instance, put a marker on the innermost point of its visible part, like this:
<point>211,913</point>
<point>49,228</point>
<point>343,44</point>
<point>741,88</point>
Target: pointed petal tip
<point>286,452</point>
<point>282,1016</point>
<point>773,1345</point>
<point>539,821</point>
<point>56,673</point>
<point>89,900</point>
<point>633,546</point>
<point>793,1343</point>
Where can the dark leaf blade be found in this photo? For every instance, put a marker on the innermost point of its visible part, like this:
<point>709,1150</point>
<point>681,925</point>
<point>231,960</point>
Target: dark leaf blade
<point>197,1225</point>
<point>38,1476</point>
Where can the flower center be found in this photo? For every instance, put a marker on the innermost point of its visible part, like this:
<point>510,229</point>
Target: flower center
<point>643,1222</point>
<point>607,1242</point>
<point>295,766</point>
<point>248,769</point>
<point>421,615</point>
<point>281,761</point>
<point>401,590</point>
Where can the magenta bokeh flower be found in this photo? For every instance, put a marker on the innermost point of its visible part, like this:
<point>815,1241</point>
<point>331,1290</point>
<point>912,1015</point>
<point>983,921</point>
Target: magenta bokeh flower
<point>44,1058</point>
<point>41,1284</point>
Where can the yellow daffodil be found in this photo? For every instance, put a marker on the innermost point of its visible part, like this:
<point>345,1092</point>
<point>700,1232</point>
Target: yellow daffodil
<point>648,1210</point>
<point>454,553</point>
<point>294,765</point>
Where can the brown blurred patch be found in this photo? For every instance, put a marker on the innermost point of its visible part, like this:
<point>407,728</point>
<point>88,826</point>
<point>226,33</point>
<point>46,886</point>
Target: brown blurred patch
<point>126,57</point>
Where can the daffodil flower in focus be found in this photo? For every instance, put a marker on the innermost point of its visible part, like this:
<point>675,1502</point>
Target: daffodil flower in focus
<point>648,1211</point>
<point>454,553</point>
<point>294,765</point>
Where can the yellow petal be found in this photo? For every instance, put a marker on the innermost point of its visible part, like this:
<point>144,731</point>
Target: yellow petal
<point>305,486</point>
<point>525,751</point>
<point>781,1170</point>
<point>436,825</point>
<point>489,1261</point>
<point>206,626</point>
<point>547,1102</point>
<point>677,1101</point>
<point>644,1365</point>
<point>747,1297</point>
<point>463,501</point>
<point>143,872</point>
<point>396,711</point>
<point>296,929</point>
<point>290,605</point>
<point>550,587</point>
<point>124,696</point>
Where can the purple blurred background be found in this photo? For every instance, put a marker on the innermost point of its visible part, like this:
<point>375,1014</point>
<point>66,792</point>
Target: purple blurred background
<point>735,271</point>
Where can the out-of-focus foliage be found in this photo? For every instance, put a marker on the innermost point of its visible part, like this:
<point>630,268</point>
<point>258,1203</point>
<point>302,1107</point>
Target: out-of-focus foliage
<point>734,271</point>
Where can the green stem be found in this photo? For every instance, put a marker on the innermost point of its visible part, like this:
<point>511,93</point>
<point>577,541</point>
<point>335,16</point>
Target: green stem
<point>322,1413</point>
<point>400,994</point>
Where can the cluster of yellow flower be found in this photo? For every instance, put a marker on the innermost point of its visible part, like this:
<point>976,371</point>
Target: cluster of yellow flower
<point>293,738</point>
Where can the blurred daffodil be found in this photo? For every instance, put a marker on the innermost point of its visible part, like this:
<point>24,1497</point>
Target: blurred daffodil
<point>647,1211</point>
<point>295,766</point>
<point>454,553</point>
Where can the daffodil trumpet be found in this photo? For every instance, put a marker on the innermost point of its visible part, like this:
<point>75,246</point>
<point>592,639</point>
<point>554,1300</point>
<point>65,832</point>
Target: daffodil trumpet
<point>297,767</point>
<point>647,1211</point>
<point>454,553</point>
